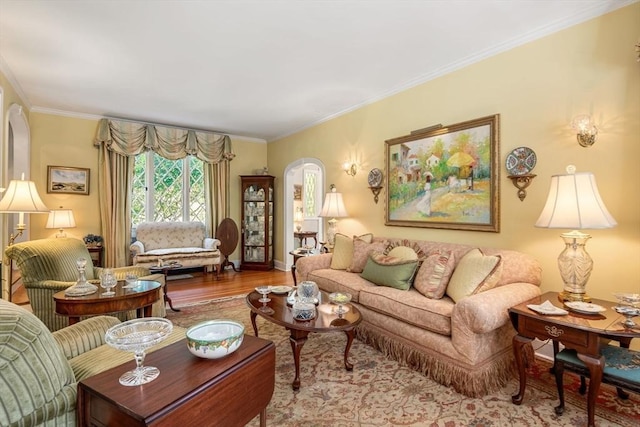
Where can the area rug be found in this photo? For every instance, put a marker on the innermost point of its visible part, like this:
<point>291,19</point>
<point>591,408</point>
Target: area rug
<point>382,392</point>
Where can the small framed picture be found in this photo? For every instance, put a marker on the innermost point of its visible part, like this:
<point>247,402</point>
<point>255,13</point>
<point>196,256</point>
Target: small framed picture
<point>68,180</point>
<point>297,192</point>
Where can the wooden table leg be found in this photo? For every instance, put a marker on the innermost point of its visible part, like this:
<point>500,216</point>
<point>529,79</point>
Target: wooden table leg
<point>253,322</point>
<point>263,418</point>
<point>350,335</point>
<point>73,320</point>
<point>297,340</point>
<point>596,366</point>
<point>293,272</point>
<point>519,342</point>
<point>166,290</point>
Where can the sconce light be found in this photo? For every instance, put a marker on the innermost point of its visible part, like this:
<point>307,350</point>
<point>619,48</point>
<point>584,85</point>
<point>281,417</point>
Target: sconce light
<point>587,132</point>
<point>350,168</point>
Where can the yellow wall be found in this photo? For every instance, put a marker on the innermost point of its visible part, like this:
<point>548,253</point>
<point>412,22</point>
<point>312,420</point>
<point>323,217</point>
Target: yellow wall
<point>536,88</point>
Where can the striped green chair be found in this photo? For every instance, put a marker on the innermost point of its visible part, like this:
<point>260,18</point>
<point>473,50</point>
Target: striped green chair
<point>48,266</point>
<point>39,370</point>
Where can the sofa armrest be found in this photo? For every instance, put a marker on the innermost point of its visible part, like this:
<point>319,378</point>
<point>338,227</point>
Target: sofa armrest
<point>487,311</point>
<point>137,248</point>
<point>84,336</point>
<point>307,264</point>
<point>210,243</point>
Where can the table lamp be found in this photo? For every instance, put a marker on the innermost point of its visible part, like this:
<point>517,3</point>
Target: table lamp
<point>575,203</point>
<point>333,208</point>
<point>61,219</point>
<point>298,218</point>
<point>21,197</point>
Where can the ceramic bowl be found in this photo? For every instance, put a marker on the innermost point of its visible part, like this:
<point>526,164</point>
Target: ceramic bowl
<point>214,339</point>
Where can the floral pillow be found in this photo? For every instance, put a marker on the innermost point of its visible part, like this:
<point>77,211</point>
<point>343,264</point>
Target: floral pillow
<point>434,274</point>
<point>361,251</point>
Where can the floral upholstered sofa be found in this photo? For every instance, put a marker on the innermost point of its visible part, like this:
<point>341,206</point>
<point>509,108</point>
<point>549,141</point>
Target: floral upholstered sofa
<point>442,311</point>
<point>183,242</point>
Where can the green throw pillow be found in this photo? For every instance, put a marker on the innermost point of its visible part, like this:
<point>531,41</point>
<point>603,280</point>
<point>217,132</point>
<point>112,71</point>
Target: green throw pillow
<point>389,271</point>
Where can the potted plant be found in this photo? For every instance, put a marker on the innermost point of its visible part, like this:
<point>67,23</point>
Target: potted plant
<point>92,240</point>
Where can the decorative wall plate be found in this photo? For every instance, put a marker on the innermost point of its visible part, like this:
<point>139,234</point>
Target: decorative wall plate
<point>520,161</point>
<point>375,177</point>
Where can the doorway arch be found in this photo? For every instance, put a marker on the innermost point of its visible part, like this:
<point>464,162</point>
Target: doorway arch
<point>292,174</point>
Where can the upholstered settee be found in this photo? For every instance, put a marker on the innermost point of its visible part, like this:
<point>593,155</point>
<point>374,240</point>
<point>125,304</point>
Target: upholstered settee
<point>183,242</point>
<point>39,370</point>
<point>48,266</point>
<point>462,341</point>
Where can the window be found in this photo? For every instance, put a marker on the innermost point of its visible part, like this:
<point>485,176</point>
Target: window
<point>167,190</point>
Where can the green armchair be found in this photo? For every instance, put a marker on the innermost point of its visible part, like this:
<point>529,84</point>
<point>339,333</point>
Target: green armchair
<point>48,266</point>
<point>39,370</point>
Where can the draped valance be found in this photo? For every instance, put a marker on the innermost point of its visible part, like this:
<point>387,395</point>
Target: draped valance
<point>130,139</point>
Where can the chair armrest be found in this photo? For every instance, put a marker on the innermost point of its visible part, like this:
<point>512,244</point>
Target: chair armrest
<point>210,243</point>
<point>137,248</point>
<point>54,285</point>
<point>488,311</point>
<point>84,336</point>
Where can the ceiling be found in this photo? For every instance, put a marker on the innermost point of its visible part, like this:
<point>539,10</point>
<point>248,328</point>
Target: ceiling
<point>258,69</point>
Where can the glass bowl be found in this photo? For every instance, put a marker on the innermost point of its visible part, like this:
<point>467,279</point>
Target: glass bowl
<point>214,339</point>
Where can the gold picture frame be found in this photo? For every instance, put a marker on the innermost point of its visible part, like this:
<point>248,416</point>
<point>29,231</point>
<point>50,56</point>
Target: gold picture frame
<point>68,180</point>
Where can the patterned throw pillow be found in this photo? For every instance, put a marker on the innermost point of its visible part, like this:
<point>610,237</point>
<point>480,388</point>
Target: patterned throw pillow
<point>389,271</point>
<point>434,274</point>
<point>361,251</point>
<point>343,250</point>
<point>399,245</point>
<point>476,272</point>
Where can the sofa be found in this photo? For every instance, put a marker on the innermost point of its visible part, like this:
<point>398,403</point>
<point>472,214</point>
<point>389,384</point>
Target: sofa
<point>462,340</point>
<point>183,242</point>
<point>39,370</point>
<point>48,266</point>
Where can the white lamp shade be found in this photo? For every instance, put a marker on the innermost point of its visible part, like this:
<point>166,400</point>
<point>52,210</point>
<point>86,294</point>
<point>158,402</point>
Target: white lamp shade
<point>22,196</point>
<point>575,203</point>
<point>333,206</point>
<point>61,218</point>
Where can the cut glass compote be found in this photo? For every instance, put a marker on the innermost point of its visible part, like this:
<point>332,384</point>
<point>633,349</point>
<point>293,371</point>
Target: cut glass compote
<point>628,307</point>
<point>137,336</point>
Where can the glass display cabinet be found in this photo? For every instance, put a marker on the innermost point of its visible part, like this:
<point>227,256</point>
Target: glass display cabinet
<point>257,222</point>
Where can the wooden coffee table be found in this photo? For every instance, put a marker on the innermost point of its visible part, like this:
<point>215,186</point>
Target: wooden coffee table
<point>140,299</point>
<point>325,321</point>
<point>229,391</point>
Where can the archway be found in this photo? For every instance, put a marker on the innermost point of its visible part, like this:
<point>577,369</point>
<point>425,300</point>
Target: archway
<point>294,174</point>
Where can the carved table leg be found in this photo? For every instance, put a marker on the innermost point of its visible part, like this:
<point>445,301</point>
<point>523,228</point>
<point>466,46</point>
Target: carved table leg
<point>297,340</point>
<point>253,322</point>
<point>350,335</point>
<point>519,342</point>
<point>596,366</point>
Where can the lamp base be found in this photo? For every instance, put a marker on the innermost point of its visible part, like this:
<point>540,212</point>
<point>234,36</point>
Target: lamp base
<point>572,296</point>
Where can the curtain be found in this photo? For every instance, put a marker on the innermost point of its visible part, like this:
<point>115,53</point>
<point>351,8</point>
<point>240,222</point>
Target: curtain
<point>119,141</point>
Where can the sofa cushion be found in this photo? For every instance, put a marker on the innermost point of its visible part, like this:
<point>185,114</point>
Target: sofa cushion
<point>410,307</point>
<point>361,251</point>
<point>178,234</point>
<point>434,274</point>
<point>343,250</point>
<point>176,254</point>
<point>330,280</point>
<point>476,272</point>
<point>390,271</point>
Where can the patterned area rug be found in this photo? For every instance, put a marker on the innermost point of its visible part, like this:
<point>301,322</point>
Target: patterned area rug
<point>381,392</point>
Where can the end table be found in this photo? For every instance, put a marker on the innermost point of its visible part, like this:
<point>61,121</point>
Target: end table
<point>98,250</point>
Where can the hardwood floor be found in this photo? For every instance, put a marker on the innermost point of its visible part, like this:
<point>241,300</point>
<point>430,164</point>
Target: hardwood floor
<point>202,287</point>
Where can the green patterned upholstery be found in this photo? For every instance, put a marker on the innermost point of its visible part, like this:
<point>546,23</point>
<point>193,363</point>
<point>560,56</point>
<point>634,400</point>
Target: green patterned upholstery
<point>39,370</point>
<point>48,266</point>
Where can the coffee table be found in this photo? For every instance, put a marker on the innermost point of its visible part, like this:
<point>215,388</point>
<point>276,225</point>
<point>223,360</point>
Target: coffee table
<point>140,298</point>
<point>229,391</point>
<point>325,321</point>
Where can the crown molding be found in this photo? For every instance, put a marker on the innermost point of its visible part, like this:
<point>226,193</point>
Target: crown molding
<point>4,68</point>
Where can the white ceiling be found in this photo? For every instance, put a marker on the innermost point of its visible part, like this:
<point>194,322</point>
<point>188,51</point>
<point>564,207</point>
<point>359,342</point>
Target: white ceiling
<point>260,69</point>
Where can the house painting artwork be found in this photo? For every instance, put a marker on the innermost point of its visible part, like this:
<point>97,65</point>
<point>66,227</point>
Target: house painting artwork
<point>444,180</point>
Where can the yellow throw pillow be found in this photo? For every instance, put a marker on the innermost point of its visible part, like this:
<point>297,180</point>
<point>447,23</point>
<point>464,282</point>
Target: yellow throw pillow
<point>476,272</point>
<point>403,252</point>
<point>343,250</point>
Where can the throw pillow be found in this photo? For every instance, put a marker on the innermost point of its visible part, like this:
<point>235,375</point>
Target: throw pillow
<point>389,271</point>
<point>403,252</point>
<point>476,272</point>
<point>434,274</point>
<point>361,251</point>
<point>343,250</point>
<point>405,243</point>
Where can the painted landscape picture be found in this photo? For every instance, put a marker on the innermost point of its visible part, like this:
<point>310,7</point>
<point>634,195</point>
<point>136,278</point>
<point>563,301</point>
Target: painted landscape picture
<point>445,178</point>
<point>68,180</point>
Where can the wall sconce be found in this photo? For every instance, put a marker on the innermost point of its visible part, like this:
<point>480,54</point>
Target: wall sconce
<point>587,132</point>
<point>350,168</point>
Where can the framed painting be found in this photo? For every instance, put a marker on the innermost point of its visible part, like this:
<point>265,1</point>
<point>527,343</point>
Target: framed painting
<point>445,177</point>
<point>297,192</point>
<point>67,180</point>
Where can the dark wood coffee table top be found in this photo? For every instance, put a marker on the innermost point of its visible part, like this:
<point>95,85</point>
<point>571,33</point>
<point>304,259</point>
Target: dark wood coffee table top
<point>190,390</point>
<point>94,304</point>
<point>325,321</point>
